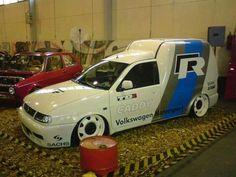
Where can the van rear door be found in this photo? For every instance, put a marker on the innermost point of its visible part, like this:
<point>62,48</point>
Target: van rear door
<point>188,70</point>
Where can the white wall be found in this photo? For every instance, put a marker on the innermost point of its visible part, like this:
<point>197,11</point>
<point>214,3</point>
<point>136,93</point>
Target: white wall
<point>12,22</point>
<point>57,18</point>
<point>132,19</point>
<point>171,18</point>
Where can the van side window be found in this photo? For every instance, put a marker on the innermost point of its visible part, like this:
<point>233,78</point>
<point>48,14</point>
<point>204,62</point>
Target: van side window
<point>144,74</point>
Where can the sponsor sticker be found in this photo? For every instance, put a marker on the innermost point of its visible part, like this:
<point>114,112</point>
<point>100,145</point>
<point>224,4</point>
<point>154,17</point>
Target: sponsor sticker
<point>186,63</point>
<point>126,97</point>
<point>211,85</point>
<point>133,119</point>
<point>57,137</point>
<point>58,144</point>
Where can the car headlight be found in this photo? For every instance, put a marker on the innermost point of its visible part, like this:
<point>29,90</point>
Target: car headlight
<point>21,78</point>
<point>43,118</point>
<point>11,90</point>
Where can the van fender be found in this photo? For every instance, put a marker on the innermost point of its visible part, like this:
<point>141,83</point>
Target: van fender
<point>105,119</point>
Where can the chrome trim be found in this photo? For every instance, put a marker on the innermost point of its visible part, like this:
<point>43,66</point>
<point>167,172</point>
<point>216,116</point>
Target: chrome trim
<point>12,77</point>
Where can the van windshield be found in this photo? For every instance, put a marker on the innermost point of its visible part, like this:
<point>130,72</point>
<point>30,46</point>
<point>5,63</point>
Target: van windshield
<point>101,75</point>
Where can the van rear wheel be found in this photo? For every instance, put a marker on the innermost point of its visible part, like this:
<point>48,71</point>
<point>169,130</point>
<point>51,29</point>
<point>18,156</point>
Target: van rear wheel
<point>200,106</point>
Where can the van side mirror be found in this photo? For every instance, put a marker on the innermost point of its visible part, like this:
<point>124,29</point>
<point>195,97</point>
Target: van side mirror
<point>127,84</point>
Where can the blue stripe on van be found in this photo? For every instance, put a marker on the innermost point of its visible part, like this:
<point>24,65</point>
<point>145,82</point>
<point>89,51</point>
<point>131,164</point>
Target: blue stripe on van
<point>185,87</point>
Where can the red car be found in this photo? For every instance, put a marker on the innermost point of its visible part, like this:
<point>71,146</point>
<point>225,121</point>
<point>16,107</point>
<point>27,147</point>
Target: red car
<point>230,90</point>
<point>30,71</point>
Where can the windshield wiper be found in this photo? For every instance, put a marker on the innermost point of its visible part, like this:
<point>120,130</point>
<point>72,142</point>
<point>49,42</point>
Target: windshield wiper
<point>89,84</point>
<point>86,83</point>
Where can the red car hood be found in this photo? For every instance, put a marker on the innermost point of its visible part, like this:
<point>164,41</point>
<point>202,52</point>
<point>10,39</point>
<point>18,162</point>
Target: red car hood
<point>13,72</point>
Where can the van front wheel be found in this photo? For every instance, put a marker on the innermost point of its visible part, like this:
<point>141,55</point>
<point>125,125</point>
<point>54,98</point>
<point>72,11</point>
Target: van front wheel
<point>92,125</point>
<point>200,106</point>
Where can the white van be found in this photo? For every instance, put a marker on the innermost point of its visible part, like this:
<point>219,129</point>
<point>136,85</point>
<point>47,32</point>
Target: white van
<point>152,80</point>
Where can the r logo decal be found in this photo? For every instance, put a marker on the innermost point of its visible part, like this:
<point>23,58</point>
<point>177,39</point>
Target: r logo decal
<point>189,63</point>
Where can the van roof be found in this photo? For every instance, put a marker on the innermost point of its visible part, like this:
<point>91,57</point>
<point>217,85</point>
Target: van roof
<point>144,49</point>
<point>131,56</point>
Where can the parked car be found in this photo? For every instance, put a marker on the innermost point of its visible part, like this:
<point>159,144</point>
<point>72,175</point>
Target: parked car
<point>30,71</point>
<point>230,86</point>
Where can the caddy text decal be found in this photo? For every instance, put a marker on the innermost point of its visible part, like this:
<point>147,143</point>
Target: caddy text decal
<point>134,107</point>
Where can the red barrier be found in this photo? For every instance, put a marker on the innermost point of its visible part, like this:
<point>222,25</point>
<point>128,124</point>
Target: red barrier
<point>99,154</point>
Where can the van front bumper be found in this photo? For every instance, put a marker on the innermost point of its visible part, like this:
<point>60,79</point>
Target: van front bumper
<point>45,135</point>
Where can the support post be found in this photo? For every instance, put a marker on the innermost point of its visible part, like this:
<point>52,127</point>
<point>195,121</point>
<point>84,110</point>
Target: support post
<point>33,26</point>
<point>108,19</point>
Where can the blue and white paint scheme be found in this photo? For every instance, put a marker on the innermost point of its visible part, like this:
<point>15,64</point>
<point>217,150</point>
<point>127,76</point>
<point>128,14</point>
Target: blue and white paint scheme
<point>152,80</point>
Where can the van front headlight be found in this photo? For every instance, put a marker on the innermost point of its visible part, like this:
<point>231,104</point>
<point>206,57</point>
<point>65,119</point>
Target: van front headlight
<point>43,118</point>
